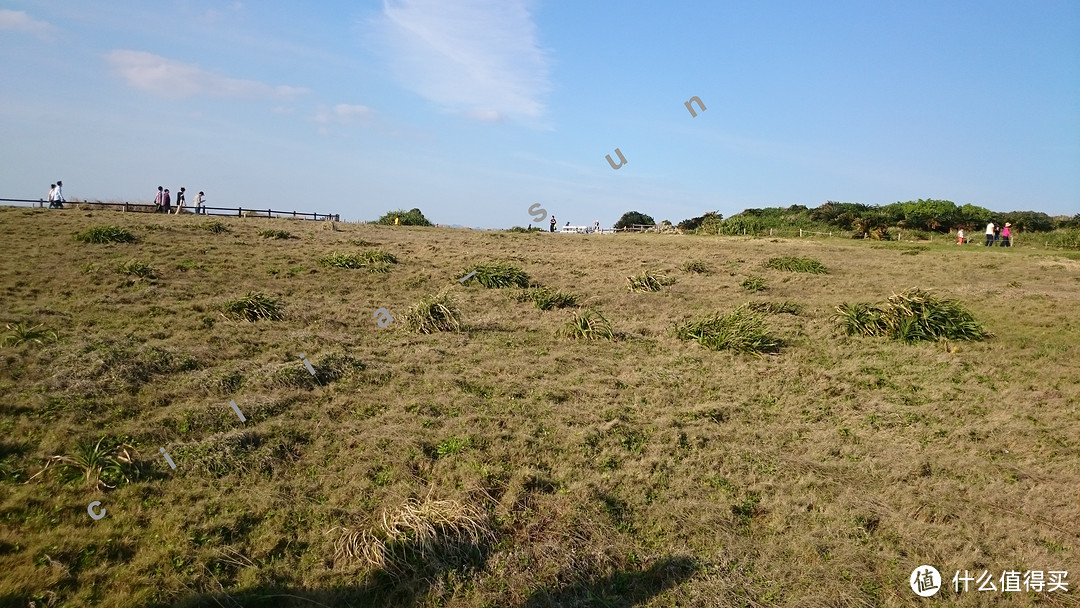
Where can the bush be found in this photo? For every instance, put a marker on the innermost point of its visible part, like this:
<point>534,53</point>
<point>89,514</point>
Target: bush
<point>106,464</point>
<point>587,324</point>
<point>520,229</point>
<point>795,264</point>
<point>412,217</point>
<point>255,306</point>
<point>742,331</point>
<point>633,217</point>
<point>1064,239</point>
<point>648,281</point>
<point>753,283</point>
<point>275,234</point>
<point>106,234</point>
<point>499,275</point>
<point>911,316</point>
<point>433,313</point>
<point>374,260</point>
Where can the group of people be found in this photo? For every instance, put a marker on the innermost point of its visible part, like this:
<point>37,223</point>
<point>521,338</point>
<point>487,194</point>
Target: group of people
<point>553,223</point>
<point>163,201</point>
<point>996,236</point>
<point>56,195</point>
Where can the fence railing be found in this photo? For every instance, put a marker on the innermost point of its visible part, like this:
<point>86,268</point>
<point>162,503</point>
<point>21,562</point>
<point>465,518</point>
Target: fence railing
<point>188,209</point>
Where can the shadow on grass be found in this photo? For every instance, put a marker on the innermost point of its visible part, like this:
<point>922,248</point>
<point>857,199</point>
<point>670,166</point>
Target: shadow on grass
<point>619,590</point>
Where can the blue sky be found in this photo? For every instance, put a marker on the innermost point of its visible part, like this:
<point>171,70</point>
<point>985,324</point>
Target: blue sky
<point>473,110</point>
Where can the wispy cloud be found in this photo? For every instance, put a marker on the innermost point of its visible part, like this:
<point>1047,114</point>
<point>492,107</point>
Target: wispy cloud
<point>168,78</point>
<point>19,20</point>
<point>477,57</point>
<point>344,114</point>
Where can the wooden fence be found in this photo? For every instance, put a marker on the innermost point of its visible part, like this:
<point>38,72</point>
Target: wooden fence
<point>188,209</point>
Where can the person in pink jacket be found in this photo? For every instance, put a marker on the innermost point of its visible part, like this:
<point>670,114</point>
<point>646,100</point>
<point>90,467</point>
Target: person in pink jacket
<point>1006,233</point>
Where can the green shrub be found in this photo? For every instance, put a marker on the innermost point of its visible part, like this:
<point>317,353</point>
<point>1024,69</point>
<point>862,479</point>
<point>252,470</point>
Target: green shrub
<point>525,230</point>
<point>587,324</point>
<point>412,217</point>
<point>742,331</point>
<point>697,266</point>
<point>796,264</point>
<point>911,316</point>
<point>255,306</point>
<point>433,313</point>
<point>753,283</point>
<point>106,234</point>
<point>1068,238</point>
<point>275,234</point>
<point>498,275</point>
<point>648,281</point>
<point>373,256</point>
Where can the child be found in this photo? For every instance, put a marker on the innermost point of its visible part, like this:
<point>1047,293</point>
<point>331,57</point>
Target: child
<point>960,236</point>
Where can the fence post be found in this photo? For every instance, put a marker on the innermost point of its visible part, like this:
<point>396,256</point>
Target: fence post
<point>294,214</point>
<point>268,212</point>
<point>239,212</point>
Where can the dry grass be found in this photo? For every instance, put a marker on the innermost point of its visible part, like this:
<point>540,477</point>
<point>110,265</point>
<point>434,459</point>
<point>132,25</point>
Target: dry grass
<point>645,471</point>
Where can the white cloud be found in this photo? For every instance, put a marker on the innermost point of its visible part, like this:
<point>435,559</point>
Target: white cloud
<point>168,78</point>
<point>477,57</point>
<point>344,114</point>
<point>19,20</point>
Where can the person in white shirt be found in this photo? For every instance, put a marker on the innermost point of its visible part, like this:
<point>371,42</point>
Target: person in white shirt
<point>58,197</point>
<point>199,203</point>
<point>960,236</point>
<point>989,235</point>
<point>52,196</point>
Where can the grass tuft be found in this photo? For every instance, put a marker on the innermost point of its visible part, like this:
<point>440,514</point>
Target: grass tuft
<point>137,269</point>
<point>911,316</point>
<point>774,308</point>
<point>698,266</point>
<point>106,234</point>
<point>23,333</point>
<point>106,464</point>
<point>546,298</point>
<point>374,260</point>
<point>498,275</point>
<point>587,324</point>
<point>753,283</point>
<point>255,306</point>
<point>648,281</point>
<point>215,226</point>
<point>797,264</point>
<point>275,234</point>
<point>416,533</point>
<point>742,331</point>
<point>433,314</point>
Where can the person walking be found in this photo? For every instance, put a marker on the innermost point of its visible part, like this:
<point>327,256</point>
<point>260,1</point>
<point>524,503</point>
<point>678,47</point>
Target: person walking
<point>596,226</point>
<point>179,200</point>
<point>960,236</point>
<point>989,235</point>
<point>52,196</point>
<point>997,235</point>
<point>159,200</point>
<point>199,203</point>
<point>166,201</point>
<point>553,222</point>
<point>1006,235</point>
<point>58,196</point>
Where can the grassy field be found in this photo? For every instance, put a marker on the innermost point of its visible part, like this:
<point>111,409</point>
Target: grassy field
<point>504,463</point>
